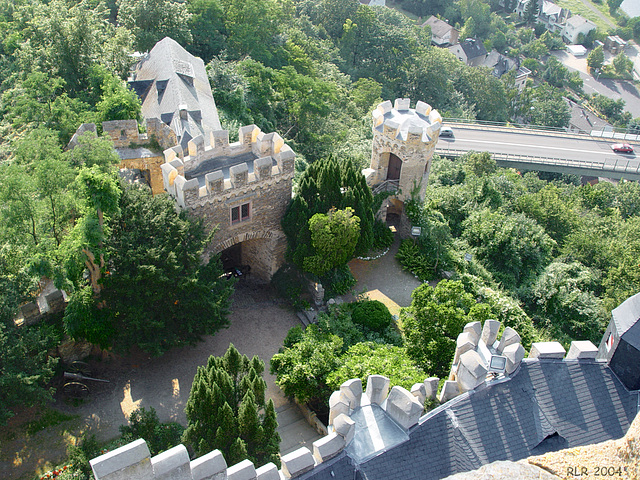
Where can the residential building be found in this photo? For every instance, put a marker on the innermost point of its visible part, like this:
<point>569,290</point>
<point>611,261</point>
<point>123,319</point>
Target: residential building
<point>552,16</point>
<point>470,51</point>
<point>442,34</point>
<point>574,26</point>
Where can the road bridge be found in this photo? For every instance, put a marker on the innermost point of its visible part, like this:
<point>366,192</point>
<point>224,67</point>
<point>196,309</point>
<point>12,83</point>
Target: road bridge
<point>548,151</point>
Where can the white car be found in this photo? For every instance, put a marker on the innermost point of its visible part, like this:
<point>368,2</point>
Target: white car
<point>446,132</point>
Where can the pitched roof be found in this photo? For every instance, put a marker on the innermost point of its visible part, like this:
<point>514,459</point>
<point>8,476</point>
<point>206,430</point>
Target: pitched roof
<point>439,28</point>
<point>546,405</point>
<point>577,21</point>
<point>174,87</point>
<point>473,48</point>
<point>626,317</point>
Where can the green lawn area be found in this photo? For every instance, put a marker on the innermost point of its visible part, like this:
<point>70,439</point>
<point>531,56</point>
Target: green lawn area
<point>579,8</point>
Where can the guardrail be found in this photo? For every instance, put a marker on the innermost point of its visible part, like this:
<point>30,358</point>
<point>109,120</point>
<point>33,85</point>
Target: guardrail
<point>386,186</point>
<point>613,168</point>
<point>542,130</point>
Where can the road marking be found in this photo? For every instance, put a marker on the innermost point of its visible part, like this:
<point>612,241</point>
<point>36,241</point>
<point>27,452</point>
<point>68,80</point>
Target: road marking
<point>540,146</point>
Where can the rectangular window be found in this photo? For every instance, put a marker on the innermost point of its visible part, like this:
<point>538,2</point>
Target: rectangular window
<point>240,213</point>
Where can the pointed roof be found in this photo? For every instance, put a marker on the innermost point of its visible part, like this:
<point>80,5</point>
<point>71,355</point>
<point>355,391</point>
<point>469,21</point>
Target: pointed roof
<point>174,87</point>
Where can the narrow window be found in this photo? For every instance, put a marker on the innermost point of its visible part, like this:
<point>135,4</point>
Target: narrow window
<point>240,213</point>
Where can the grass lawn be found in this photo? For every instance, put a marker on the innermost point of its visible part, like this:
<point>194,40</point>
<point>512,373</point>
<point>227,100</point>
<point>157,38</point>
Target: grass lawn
<point>579,8</point>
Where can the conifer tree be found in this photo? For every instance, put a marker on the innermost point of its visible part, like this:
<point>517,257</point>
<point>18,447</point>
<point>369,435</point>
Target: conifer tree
<point>325,185</point>
<point>226,410</point>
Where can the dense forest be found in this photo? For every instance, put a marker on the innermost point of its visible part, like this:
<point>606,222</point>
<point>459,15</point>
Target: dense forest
<point>310,70</point>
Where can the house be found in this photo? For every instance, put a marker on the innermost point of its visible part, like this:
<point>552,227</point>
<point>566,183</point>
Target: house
<point>442,34</point>
<point>574,26</point>
<point>470,51</point>
<point>499,406</point>
<point>584,120</point>
<point>552,16</point>
<point>374,3</point>
<point>501,64</point>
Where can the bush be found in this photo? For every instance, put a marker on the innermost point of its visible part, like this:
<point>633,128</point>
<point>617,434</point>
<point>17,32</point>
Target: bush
<point>339,321</point>
<point>371,314</point>
<point>382,235</point>
<point>338,281</point>
<point>145,424</point>
<point>414,261</point>
<point>294,335</point>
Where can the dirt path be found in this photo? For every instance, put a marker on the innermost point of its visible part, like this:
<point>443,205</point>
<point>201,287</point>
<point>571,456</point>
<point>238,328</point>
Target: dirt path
<point>258,327</point>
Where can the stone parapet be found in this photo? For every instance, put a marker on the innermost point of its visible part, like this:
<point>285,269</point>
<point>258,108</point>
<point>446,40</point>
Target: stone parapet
<point>404,140</point>
<point>266,149</point>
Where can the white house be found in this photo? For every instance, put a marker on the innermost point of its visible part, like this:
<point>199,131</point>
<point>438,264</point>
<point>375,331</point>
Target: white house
<point>574,26</point>
<point>442,34</point>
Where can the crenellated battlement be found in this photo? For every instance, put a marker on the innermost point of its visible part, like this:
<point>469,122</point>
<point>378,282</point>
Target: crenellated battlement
<point>221,169</point>
<point>124,133</point>
<point>399,122</point>
<point>404,140</point>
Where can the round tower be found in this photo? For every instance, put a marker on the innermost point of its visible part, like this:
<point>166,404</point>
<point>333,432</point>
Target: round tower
<point>404,140</point>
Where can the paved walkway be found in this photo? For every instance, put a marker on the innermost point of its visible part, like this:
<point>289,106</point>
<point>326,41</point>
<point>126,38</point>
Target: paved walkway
<point>258,327</point>
<point>385,275</point>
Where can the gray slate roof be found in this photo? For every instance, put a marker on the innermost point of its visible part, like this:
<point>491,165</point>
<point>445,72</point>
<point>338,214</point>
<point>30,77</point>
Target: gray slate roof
<point>169,78</point>
<point>626,317</point>
<point>473,48</point>
<point>547,405</point>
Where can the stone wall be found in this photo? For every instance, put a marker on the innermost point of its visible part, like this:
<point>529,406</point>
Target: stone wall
<point>134,462</point>
<point>267,191</point>
<point>409,134</point>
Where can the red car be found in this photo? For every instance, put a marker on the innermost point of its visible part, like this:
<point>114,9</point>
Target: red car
<point>622,148</point>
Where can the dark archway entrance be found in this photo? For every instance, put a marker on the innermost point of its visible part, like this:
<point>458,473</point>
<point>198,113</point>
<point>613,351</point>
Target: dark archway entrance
<point>395,165</point>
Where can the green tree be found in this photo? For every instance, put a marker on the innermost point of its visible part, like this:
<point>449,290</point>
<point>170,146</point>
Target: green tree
<point>302,369</point>
<point>369,358</point>
<point>531,11</point>
<point>564,303</point>
<point>150,244</point>
<point>227,410</point>
<point>622,64</point>
<point>550,210</point>
<point>117,101</point>
<point>614,5</point>
<point>324,185</point>
<point>25,365</point>
<point>433,321</point>
<point>252,27</point>
<point>595,59</point>
<point>334,238</point>
<point>146,424</point>
<point>514,246</point>
<point>152,20</point>
<point>206,23</point>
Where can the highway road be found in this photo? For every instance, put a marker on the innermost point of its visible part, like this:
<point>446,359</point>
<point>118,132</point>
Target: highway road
<point>562,153</point>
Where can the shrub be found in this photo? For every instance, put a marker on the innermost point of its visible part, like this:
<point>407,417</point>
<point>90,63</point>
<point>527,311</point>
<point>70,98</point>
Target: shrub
<point>414,261</point>
<point>338,281</point>
<point>145,424</point>
<point>371,314</point>
<point>289,282</point>
<point>382,235</point>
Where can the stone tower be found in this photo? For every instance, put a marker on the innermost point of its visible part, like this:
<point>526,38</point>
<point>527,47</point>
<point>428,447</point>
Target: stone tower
<point>404,140</point>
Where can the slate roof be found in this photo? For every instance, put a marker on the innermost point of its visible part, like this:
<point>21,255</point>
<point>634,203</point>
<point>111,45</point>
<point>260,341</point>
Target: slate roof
<point>547,405</point>
<point>473,48</point>
<point>169,78</point>
<point>625,316</point>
